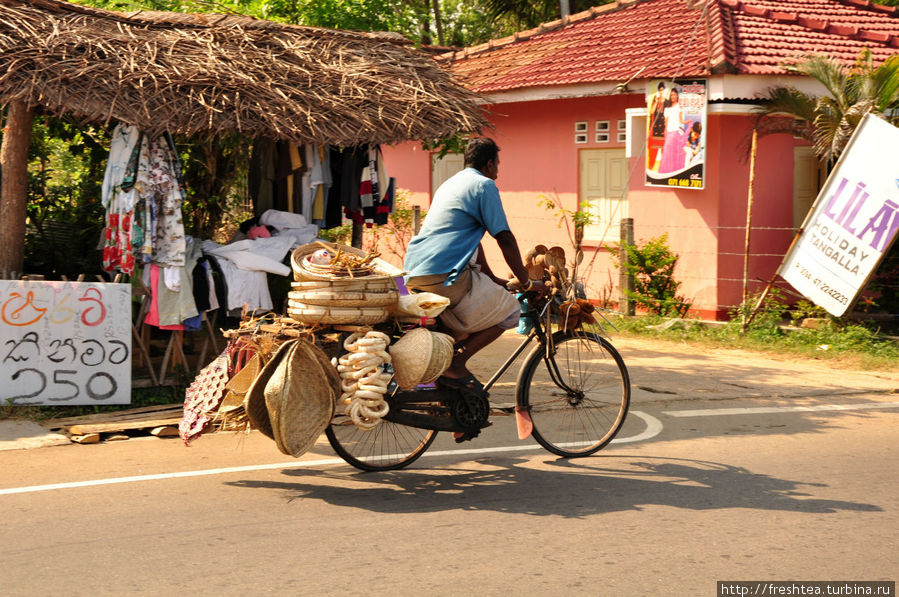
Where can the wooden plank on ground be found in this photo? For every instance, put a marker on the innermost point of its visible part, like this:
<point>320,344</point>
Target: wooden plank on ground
<point>146,412</point>
<point>85,428</point>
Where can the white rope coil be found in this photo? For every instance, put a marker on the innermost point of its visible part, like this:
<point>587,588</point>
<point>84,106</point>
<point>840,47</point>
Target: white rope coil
<point>363,382</point>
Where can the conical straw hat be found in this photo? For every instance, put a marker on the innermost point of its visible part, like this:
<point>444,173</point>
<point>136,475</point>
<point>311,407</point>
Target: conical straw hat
<point>237,387</point>
<point>420,356</point>
<point>254,401</point>
<point>301,397</point>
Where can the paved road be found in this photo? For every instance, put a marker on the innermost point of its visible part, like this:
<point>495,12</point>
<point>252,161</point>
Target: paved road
<point>776,471</point>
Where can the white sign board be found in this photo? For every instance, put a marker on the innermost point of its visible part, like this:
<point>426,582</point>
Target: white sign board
<point>65,343</point>
<point>852,223</point>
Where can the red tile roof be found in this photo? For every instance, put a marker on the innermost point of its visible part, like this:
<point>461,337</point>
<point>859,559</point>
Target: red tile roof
<point>667,38</point>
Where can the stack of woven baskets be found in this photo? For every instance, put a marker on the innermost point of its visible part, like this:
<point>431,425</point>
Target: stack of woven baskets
<point>353,288</point>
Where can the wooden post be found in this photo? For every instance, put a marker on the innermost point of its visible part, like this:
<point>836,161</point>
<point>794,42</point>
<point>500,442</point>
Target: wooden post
<point>416,219</point>
<point>356,240</point>
<point>747,319</point>
<point>749,202</point>
<point>625,278</point>
<point>14,185</point>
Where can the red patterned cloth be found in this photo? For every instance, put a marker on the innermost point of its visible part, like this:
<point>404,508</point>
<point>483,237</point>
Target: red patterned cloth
<point>203,396</point>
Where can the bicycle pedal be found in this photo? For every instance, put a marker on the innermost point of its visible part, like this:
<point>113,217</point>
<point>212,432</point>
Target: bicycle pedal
<point>466,436</point>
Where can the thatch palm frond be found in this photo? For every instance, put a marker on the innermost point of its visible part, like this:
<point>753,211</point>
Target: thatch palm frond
<point>226,74</point>
<point>852,92</point>
<point>830,128</point>
<point>788,101</point>
<point>791,101</point>
<point>830,73</point>
<point>885,84</point>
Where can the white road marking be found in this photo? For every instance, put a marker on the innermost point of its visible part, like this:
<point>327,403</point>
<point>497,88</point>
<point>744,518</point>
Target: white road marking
<point>201,473</point>
<point>653,428</point>
<point>718,412</point>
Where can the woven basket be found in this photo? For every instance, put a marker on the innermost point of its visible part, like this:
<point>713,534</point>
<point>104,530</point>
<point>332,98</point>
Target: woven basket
<point>326,315</point>
<point>341,299</point>
<point>300,397</point>
<point>364,284</point>
<point>304,270</point>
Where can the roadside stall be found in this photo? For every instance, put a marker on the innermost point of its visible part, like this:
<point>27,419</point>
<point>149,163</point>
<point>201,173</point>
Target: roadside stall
<point>172,73</point>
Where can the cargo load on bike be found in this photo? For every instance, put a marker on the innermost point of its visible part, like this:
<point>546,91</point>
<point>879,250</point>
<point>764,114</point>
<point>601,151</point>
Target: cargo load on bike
<point>357,357</point>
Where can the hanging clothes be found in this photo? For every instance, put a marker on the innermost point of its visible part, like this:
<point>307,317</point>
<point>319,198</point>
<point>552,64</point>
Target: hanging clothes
<point>151,280</point>
<point>306,209</point>
<point>354,162</point>
<point>157,184</point>
<point>372,185</point>
<point>124,140</point>
<point>320,182</point>
<point>385,208</point>
<point>143,194</point>
<point>333,206</point>
<point>261,175</point>
<point>118,198</point>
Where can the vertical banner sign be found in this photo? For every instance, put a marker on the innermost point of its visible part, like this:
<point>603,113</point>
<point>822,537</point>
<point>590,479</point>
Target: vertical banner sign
<point>853,222</point>
<point>65,343</point>
<point>675,133</point>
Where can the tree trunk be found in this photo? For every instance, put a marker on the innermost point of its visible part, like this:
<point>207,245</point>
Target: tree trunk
<point>14,187</point>
<point>438,22</point>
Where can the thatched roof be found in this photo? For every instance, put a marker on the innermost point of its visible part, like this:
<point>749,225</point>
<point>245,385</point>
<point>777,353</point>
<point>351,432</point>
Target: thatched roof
<point>191,73</point>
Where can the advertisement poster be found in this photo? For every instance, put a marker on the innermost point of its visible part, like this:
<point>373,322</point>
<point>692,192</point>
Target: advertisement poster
<point>65,342</point>
<point>675,133</point>
<point>853,222</point>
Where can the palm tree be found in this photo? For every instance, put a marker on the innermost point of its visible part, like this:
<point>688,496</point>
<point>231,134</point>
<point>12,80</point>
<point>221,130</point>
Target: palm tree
<point>829,120</point>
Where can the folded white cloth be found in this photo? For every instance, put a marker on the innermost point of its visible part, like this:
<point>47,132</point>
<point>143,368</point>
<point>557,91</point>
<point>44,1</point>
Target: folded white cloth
<point>260,254</point>
<point>290,225</point>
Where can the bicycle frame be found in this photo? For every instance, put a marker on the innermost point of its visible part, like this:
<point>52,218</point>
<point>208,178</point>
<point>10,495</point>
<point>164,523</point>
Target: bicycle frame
<point>465,413</point>
<point>544,336</point>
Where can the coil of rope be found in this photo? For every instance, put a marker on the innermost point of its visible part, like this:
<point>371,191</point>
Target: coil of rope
<point>363,381</point>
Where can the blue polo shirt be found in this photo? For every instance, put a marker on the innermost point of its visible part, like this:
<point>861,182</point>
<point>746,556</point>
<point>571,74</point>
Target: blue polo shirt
<point>464,207</point>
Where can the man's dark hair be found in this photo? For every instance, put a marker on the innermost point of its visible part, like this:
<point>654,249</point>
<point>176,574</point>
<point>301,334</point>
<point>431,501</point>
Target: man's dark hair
<point>661,85</point>
<point>479,151</point>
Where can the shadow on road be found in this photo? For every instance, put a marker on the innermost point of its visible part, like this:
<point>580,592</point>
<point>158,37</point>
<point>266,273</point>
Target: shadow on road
<point>570,489</point>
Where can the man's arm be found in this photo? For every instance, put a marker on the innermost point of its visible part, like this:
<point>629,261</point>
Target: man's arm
<point>481,259</point>
<point>509,246</point>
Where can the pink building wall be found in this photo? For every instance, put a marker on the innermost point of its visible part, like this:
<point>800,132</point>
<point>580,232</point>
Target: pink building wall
<point>539,158</point>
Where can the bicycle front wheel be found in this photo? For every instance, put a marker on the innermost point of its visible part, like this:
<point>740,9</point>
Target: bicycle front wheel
<point>389,446</point>
<point>577,395</point>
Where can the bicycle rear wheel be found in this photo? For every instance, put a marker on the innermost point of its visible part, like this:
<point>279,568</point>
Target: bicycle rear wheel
<point>578,398</point>
<point>389,446</point>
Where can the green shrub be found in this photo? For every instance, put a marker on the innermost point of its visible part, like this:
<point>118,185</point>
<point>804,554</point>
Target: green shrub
<point>651,264</point>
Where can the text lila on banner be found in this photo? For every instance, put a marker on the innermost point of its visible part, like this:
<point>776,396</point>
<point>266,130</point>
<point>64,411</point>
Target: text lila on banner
<point>853,222</point>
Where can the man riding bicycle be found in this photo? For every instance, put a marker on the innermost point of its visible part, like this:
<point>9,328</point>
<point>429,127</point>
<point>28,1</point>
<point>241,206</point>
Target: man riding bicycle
<point>447,258</point>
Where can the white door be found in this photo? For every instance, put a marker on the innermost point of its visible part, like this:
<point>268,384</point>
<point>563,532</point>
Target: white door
<point>443,168</point>
<point>603,187</point>
<point>807,179</point>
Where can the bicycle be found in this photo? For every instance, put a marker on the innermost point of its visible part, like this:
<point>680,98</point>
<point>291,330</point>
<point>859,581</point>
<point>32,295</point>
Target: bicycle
<point>573,385</point>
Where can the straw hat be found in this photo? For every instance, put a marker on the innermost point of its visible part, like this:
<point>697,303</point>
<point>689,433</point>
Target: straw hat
<point>301,396</point>
<point>254,401</point>
<point>420,356</point>
<point>237,387</point>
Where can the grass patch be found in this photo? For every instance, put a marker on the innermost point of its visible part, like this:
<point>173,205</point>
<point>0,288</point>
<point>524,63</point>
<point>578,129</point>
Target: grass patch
<point>852,345</point>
